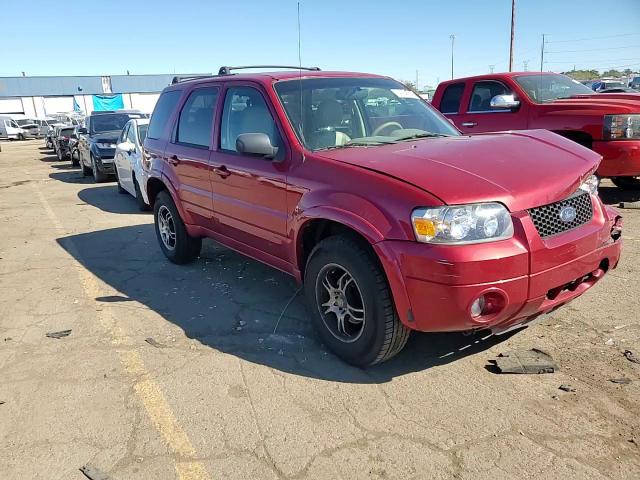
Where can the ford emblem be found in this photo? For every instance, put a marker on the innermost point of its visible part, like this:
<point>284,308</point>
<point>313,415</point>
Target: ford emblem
<point>567,214</point>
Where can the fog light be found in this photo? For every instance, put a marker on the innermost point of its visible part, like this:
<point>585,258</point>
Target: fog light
<point>477,306</point>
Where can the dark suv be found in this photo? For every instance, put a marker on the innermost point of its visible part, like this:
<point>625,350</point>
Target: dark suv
<point>391,219</point>
<point>97,141</point>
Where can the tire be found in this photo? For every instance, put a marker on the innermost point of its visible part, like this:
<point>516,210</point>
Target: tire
<point>59,155</point>
<point>120,188</point>
<point>143,207</point>
<point>98,175</point>
<point>20,136</point>
<point>380,335</point>
<point>627,183</point>
<point>185,248</point>
<point>86,171</point>
<point>75,159</point>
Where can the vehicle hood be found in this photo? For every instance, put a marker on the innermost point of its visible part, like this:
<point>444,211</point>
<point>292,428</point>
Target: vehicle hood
<point>106,137</point>
<point>598,103</point>
<point>522,170</point>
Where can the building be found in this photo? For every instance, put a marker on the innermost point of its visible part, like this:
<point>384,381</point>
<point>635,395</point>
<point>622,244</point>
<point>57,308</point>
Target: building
<point>37,97</point>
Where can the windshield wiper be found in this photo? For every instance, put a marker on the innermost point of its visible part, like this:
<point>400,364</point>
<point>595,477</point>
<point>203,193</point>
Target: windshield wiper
<point>358,143</point>
<point>415,136</point>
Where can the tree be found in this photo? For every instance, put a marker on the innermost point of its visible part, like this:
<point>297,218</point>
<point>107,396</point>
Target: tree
<point>581,75</point>
<point>612,73</point>
<point>409,84</point>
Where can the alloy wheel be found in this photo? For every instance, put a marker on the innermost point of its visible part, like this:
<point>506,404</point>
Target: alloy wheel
<point>340,303</point>
<point>167,228</point>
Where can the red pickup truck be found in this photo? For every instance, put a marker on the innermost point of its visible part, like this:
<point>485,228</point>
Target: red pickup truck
<point>606,123</point>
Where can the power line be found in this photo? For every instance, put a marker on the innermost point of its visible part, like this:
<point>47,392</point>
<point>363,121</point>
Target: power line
<point>599,60</point>
<point>594,49</point>
<point>593,38</point>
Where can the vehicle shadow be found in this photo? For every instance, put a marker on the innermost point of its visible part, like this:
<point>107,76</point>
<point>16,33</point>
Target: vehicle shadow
<point>614,195</point>
<point>107,199</point>
<point>50,158</point>
<point>70,176</point>
<point>233,304</point>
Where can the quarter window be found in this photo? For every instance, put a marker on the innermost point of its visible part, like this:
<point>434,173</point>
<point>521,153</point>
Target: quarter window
<point>482,94</point>
<point>196,118</point>
<point>161,113</point>
<point>451,98</point>
<point>245,111</point>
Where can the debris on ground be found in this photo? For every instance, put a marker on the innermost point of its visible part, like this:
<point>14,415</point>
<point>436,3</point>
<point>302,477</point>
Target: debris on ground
<point>567,388</point>
<point>610,342</point>
<point>59,334</point>
<point>629,205</point>
<point>621,381</point>
<point>152,341</point>
<point>631,356</point>
<point>2,402</point>
<point>7,339</point>
<point>526,361</point>
<point>93,473</point>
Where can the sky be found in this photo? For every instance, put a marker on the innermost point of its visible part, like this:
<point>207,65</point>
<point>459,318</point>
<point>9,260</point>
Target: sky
<point>398,39</point>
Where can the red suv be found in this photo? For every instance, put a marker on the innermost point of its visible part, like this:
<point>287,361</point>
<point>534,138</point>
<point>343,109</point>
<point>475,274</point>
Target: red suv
<point>391,219</point>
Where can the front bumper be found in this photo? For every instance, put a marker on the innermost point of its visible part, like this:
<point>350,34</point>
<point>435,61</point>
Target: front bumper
<point>620,158</point>
<point>435,286</point>
<point>104,160</point>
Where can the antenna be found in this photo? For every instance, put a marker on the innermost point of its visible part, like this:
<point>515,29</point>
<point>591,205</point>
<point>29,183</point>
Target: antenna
<point>301,126</point>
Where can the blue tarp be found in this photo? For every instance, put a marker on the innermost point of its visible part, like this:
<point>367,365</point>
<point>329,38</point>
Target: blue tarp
<point>107,102</point>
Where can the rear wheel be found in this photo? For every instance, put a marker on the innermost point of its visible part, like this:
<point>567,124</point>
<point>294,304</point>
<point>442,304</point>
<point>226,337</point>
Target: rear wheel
<point>627,183</point>
<point>59,154</point>
<point>350,303</point>
<point>120,188</point>
<point>75,160</point>
<point>176,243</point>
<point>86,171</point>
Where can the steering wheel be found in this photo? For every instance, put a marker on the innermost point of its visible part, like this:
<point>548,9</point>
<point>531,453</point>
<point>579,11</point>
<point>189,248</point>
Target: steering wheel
<point>379,129</point>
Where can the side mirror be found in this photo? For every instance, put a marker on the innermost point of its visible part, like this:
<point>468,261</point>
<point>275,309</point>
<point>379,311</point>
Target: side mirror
<point>504,102</point>
<point>256,144</point>
<point>82,131</point>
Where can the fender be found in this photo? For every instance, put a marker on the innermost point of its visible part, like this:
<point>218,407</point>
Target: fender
<point>375,238</point>
<point>166,181</point>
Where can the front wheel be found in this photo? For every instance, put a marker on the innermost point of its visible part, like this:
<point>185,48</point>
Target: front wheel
<point>98,175</point>
<point>86,171</point>
<point>176,243</point>
<point>350,303</point>
<point>627,183</point>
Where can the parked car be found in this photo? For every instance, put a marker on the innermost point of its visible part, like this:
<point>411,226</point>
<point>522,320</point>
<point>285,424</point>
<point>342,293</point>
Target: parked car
<point>601,85</point>
<point>97,142</point>
<point>61,142</point>
<point>130,174</point>
<point>74,153</point>
<point>51,134</point>
<point>30,127</point>
<point>44,124</point>
<point>608,124</point>
<point>392,220</point>
<point>635,83</point>
<point>618,90</point>
<point>10,129</point>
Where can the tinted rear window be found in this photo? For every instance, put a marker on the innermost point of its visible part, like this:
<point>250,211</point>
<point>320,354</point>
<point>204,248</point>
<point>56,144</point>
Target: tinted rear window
<point>67,131</point>
<point>162,112</point>
<point>451,97</point>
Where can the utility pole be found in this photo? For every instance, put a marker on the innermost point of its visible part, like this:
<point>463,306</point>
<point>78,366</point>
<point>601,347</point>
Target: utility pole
<point>453,39</point>
<point>513,20</point>
<point>491,67</point>
<point>542,54</point>
<point>525,64</point>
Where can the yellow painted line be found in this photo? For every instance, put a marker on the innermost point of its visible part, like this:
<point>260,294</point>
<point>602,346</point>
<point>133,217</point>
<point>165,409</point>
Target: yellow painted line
<point>148,391</point>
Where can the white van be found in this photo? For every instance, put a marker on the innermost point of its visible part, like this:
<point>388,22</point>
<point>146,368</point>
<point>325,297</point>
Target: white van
<point>10,129</point>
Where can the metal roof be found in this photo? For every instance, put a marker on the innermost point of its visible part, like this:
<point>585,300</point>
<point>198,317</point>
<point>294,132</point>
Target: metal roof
<point>81,85</point>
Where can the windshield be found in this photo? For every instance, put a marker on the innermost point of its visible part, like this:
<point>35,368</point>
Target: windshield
<point>547,88</point>
<point>343,112</point>
<point>142,133</point>
<point>109,122</point>
<point>25,121</point>
<point>67,132</point>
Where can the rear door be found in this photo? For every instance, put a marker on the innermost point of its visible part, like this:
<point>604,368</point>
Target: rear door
<point>188,151</point>
<point>250,191</point>
<point>478,116</point>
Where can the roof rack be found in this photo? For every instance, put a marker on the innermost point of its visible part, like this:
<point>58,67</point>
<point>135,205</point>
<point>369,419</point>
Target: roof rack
<point>228,70</point>
<point>186,78</point>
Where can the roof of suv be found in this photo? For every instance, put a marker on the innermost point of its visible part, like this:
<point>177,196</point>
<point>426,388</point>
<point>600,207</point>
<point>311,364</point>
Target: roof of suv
<point>496,76</point>
<point>268,77</point>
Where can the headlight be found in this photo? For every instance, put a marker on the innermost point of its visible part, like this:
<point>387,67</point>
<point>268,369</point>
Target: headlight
<point>462,224</point>
<point>105,145</point>
<point>591,185</point>
<point>621,127</point>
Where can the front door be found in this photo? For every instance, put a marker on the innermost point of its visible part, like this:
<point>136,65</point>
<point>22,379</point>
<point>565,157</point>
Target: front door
<point>188,155</point>
<point>250,191</point>
<point>478,116</point>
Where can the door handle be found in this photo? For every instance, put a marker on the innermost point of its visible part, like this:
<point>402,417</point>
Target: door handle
<point>174,160</point>
<point>469,124</point>
<point>222,171</point>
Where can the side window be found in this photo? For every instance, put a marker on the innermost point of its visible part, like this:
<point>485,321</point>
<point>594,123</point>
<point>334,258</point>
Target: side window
<point>451,97</point>
<point>245,111</point>
<point>482,94</point>
<point>196,118</point>
<point>162,112</point>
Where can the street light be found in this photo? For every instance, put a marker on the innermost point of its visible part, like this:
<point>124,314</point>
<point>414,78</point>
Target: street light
<point>453,38</point>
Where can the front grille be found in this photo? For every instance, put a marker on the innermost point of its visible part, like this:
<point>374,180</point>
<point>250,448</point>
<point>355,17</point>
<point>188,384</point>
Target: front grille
<point>547,218</point>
